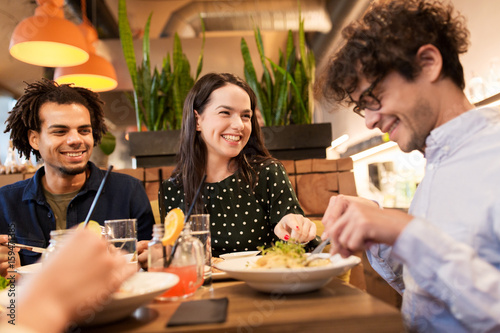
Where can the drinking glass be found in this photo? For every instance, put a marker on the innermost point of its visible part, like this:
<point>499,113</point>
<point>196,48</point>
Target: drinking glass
<point>187,262</point>
<point>122,234</point>
<point>57,239</point>
<point>200,228</point>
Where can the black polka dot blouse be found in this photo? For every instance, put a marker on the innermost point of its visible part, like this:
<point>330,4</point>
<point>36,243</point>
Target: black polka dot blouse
<point>240,218</point>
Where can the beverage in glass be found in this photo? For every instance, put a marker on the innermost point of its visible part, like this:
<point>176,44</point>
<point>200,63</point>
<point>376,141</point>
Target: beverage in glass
<point>122,234</point>
<point>187,262</point>
<point>200,228</point>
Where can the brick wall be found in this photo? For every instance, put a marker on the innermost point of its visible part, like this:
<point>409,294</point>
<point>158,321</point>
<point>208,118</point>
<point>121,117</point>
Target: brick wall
<point>316,180</point>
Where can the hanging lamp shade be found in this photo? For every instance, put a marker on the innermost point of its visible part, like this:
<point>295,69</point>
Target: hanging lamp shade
<point>48,39</point>
<point>97,74</point>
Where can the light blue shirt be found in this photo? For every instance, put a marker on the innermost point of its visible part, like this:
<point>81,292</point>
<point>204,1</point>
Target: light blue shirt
<point>451,250</point>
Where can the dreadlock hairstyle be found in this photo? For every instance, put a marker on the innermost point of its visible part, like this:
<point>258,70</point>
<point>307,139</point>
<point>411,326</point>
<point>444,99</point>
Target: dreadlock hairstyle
<point>192,157</point>
<point>388,37</point>
<point>25,114</point>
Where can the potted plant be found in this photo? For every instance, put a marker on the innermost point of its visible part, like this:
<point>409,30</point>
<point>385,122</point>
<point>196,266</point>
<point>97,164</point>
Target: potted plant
<point>158,95</point>
<point>100,154</point>
<point>285,99</point>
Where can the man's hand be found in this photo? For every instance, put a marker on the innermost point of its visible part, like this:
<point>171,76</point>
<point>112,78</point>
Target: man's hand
<point>353,224</point>
<point>4,256</point>
<point>142,254</point>
<point>338,205</point>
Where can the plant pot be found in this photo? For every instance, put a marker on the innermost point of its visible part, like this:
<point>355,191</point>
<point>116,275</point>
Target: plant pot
<point>298,142</point>
<point>292,142</point>
<point>154,148</point>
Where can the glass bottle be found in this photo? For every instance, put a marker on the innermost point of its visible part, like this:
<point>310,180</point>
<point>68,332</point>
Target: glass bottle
<point>11,164</point>
<point>187,263</point>
<point>56,240</point>
<point>3,169</point>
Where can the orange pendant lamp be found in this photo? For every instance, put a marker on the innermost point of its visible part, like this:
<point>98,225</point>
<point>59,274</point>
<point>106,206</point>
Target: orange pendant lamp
<point>97,74</point>
<point>48,39</point>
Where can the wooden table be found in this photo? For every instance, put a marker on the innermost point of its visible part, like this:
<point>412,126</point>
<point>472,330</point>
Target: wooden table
<point>336,307</point>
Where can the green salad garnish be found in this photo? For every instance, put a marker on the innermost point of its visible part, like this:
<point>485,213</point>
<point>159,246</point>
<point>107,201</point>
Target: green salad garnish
<point>291,249</point>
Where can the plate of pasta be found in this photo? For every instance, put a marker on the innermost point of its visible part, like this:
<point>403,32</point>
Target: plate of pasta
<point>287,270</point>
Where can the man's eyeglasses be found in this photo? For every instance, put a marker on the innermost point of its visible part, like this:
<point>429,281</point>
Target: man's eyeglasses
<point>367,100</point>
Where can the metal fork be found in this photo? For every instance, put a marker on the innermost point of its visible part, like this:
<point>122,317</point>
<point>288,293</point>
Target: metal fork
<point>315,253</point>
<point>321,246</point>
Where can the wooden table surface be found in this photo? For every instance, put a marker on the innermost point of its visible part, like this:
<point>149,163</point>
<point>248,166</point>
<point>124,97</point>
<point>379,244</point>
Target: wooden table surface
<point>336,307</point>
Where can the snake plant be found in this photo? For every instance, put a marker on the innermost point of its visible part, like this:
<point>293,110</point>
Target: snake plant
<point>284,92</point>
<point>158,96</point>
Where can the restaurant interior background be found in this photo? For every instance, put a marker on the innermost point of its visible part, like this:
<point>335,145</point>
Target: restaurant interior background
<point>389,175</point>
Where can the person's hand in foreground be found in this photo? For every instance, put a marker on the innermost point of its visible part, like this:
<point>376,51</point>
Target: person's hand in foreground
<point>353,224</point>
<point>72,283</point>
<point>296,227</point>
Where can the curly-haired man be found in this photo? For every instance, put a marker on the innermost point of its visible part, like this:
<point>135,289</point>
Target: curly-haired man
<point>61,124</point>
<point>400,69</point>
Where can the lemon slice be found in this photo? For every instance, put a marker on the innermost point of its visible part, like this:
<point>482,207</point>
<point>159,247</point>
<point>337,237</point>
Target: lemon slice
<point>174,223</point>
<point>93,226</point>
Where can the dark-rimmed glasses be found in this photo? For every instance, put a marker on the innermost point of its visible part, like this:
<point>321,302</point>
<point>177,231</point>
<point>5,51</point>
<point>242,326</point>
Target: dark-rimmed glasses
<point>367,100</point>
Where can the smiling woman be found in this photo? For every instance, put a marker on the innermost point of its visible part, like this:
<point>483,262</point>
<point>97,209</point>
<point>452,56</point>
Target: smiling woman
<point>247,193</point>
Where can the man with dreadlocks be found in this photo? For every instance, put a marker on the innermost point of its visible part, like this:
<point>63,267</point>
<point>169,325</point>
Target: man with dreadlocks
<point>61,124</point>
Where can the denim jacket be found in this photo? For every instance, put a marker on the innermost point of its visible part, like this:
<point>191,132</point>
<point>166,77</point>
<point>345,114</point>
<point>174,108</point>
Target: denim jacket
<point>26,215</point>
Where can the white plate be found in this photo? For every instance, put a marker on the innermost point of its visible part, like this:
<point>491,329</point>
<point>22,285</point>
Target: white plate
<point>219,276</point>
<point>137,291</point>
<point>287,280</point>
<point>33,268</point>
<point>234,255</point>
<point>29,269</point>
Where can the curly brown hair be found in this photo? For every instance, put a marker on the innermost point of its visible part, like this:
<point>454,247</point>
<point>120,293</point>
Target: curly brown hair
<point>387,39</point>
<point>25,114</point>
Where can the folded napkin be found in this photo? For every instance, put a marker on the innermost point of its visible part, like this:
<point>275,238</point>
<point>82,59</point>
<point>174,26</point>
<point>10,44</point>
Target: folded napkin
<point>200,312</point>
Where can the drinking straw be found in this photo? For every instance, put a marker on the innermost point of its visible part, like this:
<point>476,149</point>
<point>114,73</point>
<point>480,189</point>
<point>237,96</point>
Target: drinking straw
<point>186,218</point>
<point>87,219</point>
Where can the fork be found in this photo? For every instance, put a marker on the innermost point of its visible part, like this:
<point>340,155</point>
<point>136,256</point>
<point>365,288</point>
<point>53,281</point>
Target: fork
<point>321,246</point>
<point>315,254</point>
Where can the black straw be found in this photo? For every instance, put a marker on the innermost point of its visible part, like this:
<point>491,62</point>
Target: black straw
<point>188,215</point>
<point>186,218</point>
<point>87,219</point>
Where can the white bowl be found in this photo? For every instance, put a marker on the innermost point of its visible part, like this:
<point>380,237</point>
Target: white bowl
<point>29,269</point>
<point>235,255</point>
<point>33,268</point>
<point>287,280</point>
<point>138,290</point>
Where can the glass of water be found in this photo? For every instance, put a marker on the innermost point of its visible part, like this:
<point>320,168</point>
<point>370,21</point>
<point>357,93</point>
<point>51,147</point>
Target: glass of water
<point>122,234</point>
<point>200,228</point>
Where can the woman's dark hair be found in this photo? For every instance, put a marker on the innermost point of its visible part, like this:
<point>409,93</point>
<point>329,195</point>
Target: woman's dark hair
<point>192,157</point>
<point>387,39</point>
<point>25,114</point>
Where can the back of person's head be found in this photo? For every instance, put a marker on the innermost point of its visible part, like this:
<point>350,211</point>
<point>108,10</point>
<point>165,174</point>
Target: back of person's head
<point>25,114</point>
<point>192,157</point>
<point>387,39</point>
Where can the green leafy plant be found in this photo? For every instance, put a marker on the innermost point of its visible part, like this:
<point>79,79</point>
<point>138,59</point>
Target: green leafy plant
<point>108,143</point>
<point>284,92</point>
<point>158,96</point>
